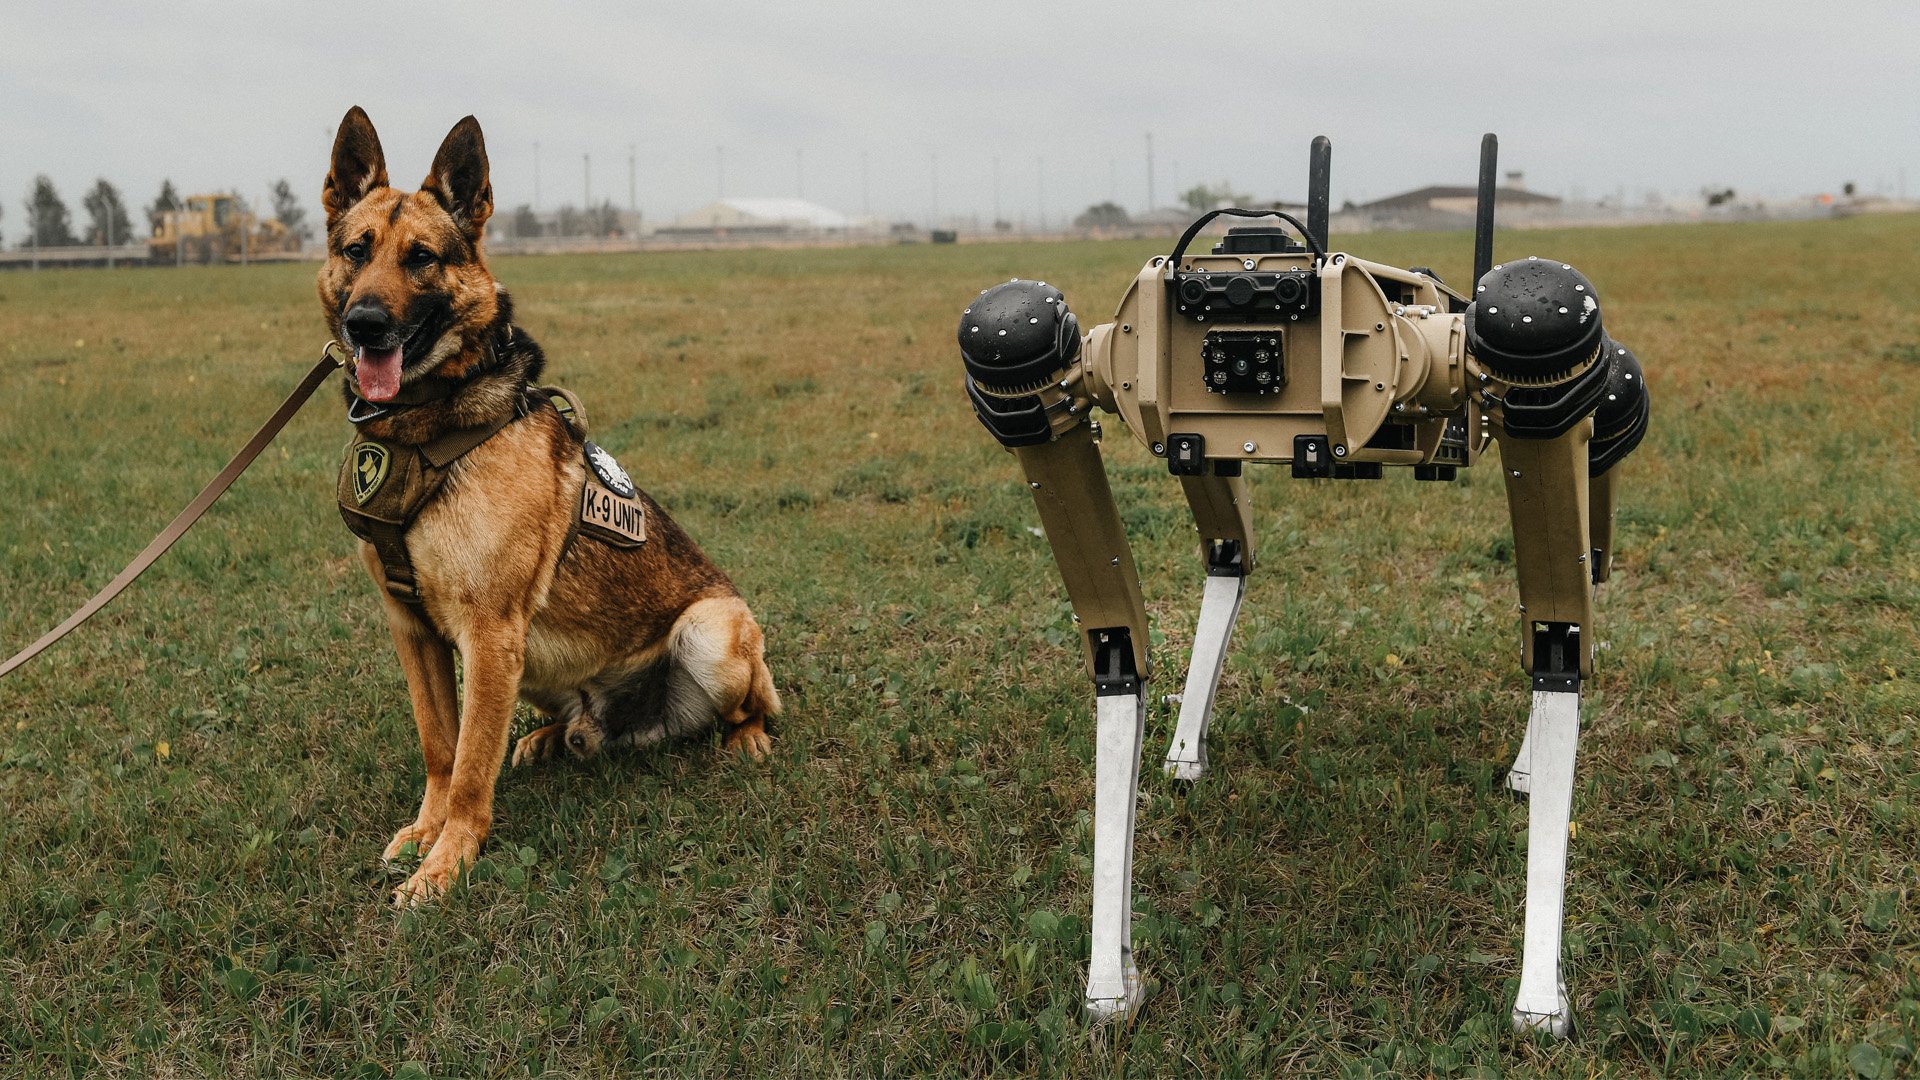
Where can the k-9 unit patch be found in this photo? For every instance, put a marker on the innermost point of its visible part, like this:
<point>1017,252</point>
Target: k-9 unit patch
<point>616,519</point>
<point>609,471</point>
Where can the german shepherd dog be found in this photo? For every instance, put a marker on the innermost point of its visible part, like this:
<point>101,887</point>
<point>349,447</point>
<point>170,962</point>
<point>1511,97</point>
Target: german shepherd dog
<point>615,646</point>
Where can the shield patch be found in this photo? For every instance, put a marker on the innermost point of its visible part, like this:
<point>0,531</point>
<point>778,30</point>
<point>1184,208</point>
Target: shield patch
<point>370,463</point>
<point>609,471</point>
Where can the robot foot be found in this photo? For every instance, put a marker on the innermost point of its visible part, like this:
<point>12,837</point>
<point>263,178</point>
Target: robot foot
<point>1555,1018</point>
<point>1121,1002</point>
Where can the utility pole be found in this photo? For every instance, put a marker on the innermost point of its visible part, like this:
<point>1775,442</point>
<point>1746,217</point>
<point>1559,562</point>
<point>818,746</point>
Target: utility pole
<point>996,190</point>
<point>109,234</point>
<point>1149,172</point>
<point>935,174</point>
<point>799,175</point>
<point>536,176</point>
<point>866,202</point>
<point>633,189</point>
<point>1040,186</point>
<point>720,156</point>
<point>586,181</point>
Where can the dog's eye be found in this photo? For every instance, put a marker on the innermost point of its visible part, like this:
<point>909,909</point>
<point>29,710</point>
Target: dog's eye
<point>421,256</point>
<point>357,251</point>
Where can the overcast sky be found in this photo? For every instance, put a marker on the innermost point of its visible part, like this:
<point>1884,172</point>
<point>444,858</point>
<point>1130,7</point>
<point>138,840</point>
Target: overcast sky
<point>901,109</point>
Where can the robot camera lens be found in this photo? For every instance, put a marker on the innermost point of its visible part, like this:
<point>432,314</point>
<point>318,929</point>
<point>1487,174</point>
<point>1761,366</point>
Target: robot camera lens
<point>1192,290</point>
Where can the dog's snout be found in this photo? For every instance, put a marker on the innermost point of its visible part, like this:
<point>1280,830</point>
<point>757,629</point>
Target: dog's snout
<point>368,324</point>
<point>577,741</point>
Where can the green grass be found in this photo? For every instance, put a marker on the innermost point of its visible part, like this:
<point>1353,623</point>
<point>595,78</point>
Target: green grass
<point>196,786</point>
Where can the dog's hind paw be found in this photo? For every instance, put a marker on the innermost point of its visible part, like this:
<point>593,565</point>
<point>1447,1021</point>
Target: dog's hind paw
<point>539,744</point>
<point>750,739</point>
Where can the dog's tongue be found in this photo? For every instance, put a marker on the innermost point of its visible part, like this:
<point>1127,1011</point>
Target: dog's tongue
<point>378,372</point>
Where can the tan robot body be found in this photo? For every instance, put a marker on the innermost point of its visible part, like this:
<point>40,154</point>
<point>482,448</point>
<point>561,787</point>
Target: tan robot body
<point>1265,352</point>
<point>1400,368</point>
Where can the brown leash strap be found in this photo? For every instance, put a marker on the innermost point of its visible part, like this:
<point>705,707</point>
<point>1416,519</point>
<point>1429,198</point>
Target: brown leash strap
<point>331,358</point>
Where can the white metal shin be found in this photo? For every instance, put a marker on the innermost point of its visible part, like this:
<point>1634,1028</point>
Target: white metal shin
<point>1519,779</point>
<point>1553,734</point>
<point>1113,983</point>
<point>1219,606</point>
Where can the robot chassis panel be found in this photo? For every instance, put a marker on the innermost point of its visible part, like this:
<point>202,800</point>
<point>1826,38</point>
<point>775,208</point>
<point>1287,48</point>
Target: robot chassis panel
<point>1271,351</point>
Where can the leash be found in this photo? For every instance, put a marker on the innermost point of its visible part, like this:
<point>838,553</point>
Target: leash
<point>331,358</point>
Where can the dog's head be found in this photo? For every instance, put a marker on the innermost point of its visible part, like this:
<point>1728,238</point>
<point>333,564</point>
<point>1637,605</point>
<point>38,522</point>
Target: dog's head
<point>404,285</point>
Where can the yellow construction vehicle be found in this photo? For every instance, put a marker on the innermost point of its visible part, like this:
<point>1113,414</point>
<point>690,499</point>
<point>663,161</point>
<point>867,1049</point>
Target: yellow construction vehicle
<point>216,228</point>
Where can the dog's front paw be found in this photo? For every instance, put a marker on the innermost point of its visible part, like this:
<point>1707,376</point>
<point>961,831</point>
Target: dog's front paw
<point>450,858</point>
<point>412,841</point>
<point>539,744</point>
<point>750,739</point>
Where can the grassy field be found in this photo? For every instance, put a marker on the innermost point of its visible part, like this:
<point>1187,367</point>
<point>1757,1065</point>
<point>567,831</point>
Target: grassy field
<point>195,788</point>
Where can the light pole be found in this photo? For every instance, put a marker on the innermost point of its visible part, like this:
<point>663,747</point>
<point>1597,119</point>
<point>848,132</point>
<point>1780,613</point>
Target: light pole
<point>1149,172</point>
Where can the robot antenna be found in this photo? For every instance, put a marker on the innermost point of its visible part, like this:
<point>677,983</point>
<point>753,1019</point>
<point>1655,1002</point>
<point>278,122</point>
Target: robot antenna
<point>1483,211</point>
<point>1319,188</point>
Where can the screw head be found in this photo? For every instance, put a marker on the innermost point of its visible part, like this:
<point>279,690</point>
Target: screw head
<point>1247,446</point>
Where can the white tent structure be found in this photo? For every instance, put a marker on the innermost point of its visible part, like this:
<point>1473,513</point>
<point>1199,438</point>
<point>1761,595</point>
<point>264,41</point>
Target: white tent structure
<point>760,216</point>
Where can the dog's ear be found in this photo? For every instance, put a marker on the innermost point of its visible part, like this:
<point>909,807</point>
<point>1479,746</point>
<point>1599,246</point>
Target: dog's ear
<point>358,165</point>
<point>459,177</point>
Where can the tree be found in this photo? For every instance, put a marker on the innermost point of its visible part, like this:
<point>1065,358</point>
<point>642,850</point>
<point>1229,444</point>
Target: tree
<point>167,200</point>
<point>48,223</point>
<point>109,216</point>
<point>524,222</point>
<point>1104,215</point>
<point>1201,198</point>
<point>603,220</point>
<point>288,211</point>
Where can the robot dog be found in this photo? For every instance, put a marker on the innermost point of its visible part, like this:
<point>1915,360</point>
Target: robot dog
<point>1277,350</point>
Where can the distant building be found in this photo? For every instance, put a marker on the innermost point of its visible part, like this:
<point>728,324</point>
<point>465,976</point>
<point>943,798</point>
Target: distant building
<point>1451,206</point>
<point>760,217</point>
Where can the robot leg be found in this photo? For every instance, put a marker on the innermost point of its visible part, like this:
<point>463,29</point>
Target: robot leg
<point>1221,512</point>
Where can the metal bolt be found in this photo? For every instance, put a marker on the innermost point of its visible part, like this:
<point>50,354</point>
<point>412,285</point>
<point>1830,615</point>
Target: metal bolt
<point>1159,448</point>
<point>1034,484</point>
<point>1115,562</point>
<point>1516,474</point>
<point>1339,450</point>
<point>1247,446</point>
